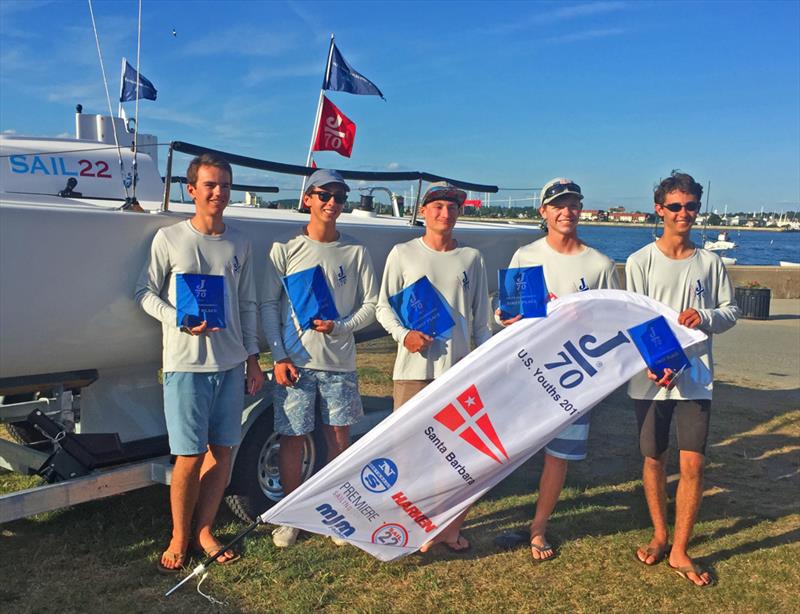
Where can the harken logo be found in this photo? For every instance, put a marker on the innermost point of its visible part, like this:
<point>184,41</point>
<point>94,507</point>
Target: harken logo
<point>472,424</point>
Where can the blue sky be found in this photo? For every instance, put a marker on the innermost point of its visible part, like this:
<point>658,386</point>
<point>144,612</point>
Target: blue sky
<point>613,94</point>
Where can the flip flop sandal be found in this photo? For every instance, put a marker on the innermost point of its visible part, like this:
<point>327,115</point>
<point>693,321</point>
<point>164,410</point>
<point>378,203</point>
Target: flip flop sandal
<point>226,560</point>
<point>685,570</point>
<point>541,550</point>
<point>659,555</point>
<point>452,546</point>
<point>176,558</point>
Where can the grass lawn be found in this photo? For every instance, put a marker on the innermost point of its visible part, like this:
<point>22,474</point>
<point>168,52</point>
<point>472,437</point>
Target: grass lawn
<point>100,556</point>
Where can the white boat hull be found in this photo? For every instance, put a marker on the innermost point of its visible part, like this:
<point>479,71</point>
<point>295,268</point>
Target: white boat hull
<point>68,277</point>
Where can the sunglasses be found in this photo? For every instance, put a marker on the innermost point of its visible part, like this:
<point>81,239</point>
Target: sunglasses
<point>339,199</point>
<point>676,207</point>
<point>561,187</point>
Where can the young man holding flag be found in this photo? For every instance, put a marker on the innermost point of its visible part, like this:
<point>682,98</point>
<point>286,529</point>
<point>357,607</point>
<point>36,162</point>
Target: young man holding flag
<point>317,361</point>
<point>569,266</point>
<point>694,282</point>
<point>458,274</point>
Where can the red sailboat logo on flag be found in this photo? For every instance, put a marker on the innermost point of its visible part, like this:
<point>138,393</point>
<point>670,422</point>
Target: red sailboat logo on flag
<point>335,131</point>
<point>471,423</point>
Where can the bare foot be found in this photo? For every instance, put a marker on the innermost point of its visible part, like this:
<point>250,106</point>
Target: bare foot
<point>541,550</point>
<point>209,545</point>
<point>687,568</point>
<point>653,553</point>
<point>455,542</point>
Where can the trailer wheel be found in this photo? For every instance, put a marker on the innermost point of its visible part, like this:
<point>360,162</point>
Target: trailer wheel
<point>256,484</point>
<point>23,431</point>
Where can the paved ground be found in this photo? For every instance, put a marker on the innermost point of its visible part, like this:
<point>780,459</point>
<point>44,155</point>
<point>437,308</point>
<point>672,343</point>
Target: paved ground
<point>765,352</point>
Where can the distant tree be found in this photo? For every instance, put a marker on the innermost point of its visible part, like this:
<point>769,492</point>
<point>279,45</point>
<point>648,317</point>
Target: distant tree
<point>714,219</point>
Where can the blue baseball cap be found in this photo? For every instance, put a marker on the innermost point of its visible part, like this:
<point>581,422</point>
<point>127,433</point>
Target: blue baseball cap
<point>324,176</point>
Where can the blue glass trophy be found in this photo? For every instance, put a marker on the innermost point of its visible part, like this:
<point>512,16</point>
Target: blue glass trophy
<point>420,307</point>
<point>310,296</point>
<point>659,347</point>
<point>522,291</point>
<point>200,298</point>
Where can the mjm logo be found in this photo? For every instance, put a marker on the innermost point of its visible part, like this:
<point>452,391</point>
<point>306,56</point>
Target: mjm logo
<point>335,520</point>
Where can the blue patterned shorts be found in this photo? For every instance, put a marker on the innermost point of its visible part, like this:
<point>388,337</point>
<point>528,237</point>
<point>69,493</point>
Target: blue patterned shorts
<point>339,401</point>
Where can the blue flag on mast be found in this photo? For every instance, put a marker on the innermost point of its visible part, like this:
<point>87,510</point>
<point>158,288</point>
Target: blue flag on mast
<point>146,89</point>
<point>343,78</point>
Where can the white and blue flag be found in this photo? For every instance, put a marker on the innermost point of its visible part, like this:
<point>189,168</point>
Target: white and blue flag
<point>411,475</point>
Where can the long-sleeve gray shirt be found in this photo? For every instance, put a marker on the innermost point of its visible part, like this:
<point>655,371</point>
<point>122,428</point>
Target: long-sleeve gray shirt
<point>348,270</point>
<point>181,248</point>
<point>459,275</point>
<point>699,282</point>
<point>567,273</point>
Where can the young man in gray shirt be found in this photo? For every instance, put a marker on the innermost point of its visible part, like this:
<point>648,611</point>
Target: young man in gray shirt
<point>204,372</point>
<point>694,282</point>
<point>320,361</point>
<point>458,274</point>
<point>569,266</point>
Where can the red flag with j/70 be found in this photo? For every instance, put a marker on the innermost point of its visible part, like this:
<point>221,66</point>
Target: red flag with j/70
<point>335,132</point>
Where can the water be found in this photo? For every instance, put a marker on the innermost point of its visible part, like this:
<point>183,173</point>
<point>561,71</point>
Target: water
<point>752,246</point>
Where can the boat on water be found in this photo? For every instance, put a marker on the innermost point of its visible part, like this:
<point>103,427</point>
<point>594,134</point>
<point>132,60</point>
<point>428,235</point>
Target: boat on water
<point>722,243</point>
<point>786,263</point>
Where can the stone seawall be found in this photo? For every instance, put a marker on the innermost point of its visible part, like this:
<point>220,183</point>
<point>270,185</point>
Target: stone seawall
<point>783,281</point>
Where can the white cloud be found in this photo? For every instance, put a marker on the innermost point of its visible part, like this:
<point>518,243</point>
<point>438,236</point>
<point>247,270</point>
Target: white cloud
<point>562,13</point>
<point>571,37</point>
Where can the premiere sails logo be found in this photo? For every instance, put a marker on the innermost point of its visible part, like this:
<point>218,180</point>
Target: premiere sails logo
<point>471,423</point>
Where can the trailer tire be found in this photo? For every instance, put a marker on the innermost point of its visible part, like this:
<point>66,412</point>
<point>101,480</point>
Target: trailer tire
<point>255,483</point>
<point>23,431</point>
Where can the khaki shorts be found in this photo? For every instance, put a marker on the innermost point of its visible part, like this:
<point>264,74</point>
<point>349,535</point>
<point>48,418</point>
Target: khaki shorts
<point>404,389</point>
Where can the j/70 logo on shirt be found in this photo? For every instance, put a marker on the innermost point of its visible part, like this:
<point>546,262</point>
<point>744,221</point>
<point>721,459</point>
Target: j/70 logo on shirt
<point>471,423</point>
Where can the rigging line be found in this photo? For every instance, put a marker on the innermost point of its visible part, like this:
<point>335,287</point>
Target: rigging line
<point>136,113</point>
<point>108,99</point>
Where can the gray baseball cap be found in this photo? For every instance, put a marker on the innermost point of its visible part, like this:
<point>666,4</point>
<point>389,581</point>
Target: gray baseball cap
<point>555,188</point>
<point>324,176</point>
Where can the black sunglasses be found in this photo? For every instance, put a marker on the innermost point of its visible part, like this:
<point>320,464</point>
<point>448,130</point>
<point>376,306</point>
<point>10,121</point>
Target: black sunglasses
<point>692,205</point>
<point>339,199</point>
<point>562,187</point>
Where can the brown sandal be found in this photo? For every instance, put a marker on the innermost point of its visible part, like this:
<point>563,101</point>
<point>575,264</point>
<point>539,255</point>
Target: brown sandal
<point>176,558</point>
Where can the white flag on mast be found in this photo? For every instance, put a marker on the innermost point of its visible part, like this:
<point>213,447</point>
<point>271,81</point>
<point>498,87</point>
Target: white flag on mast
<point>412,474</point>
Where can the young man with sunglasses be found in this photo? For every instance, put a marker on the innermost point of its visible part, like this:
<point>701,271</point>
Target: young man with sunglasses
<point>318,364</point>
<point>694,282</point>
<point>206,367</point>
<point>458,274</point>
<point>569,266</point>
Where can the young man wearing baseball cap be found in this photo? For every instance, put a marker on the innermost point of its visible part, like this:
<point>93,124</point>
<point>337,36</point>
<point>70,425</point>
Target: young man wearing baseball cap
<point>569,266</point>
<point>458,273</point>
<point>319,362</point>
<point>694,282</point>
